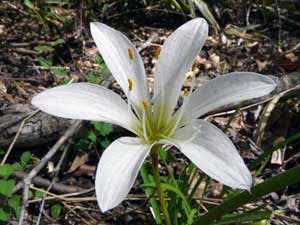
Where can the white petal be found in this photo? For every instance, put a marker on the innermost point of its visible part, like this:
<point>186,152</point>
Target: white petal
<point>117,171</point>
<point>87,102</point>
<point>113,46</point>
<point>228,89</point>
<point>177,56</point>
<point>213,152</point>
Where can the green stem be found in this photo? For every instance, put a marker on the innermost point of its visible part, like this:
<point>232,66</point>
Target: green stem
<point>154,157</point>
<point>289,177</point>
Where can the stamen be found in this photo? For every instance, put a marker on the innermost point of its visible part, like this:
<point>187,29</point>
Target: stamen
<point>130,83</point>
<point>187,95</point>
<point>194,66</point>
<point>130,53</point>
<point>145,104</point>
<point>145,126</point>
<point>157,53</point>
<point>185,92</point>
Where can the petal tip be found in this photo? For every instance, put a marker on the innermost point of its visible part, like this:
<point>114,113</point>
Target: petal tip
<point>247,184</point>
<point>35,101</point>
<point>104,208</point>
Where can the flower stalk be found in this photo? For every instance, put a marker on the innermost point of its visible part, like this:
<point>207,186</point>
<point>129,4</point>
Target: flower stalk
<point>163,204</point>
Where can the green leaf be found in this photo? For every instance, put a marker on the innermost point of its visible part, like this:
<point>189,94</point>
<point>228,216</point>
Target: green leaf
<point>289,177</point>
<point>244,217</point>
<point>6,170</point>
<point>162,154</point>
<point>25,157</point>
<point>65,81</point>
<point>29,4</point>
<point>262,222</point>
<point>92,136</point>
<point>150,194</point>
<point>16,166</point>
<point>38,194</point>
<point>172,189</point>
<point>92,78</point>
<point>203,8</point>
<point>4,216</point>
<point>99,59</point>
<point>105,142</point>
<point>55,210</point>
<point>43,61</point>
<point>2,151</point>
<point>59,72</point>
<point>57,42</point>
<point>30,194</point>
<point>15,201</point>
<point>103,128</point>
<point>43,48</point>
<point>104,70</point>
<point>6,187</point>
<point>268,152</point>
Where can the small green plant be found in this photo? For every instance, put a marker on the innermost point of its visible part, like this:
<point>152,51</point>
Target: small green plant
<point>12,203</point>
<point>55,210</point>
<point>42,61</point>
<point>50,12</point>
<point>97,134</point>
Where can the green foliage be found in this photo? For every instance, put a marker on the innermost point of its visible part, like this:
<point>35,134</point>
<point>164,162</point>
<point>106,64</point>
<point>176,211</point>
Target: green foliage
<point>49,13</point>
<point>38,194</point>
<point>15,201</point>
<point>93,78</point>
<point>4,215</point>
<point>57,42</point>
<point>97,77</point>
<point>29,4</point>
<point>98,134</point>
<point>103,128</point>
<point>6,170</point>
<point>43,48</point>
<point>181,187</point>
<point>55,210</point>
<point>291,176</point>
<point>25,157</point>
<point>177,189</point>
<point>103,68</point>
<point>12,203</point>
<point>60,72</point>
<point>43,61</point>
<point>6,187</point>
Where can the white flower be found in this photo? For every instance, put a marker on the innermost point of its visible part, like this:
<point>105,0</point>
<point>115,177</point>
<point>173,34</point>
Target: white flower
<point>154,120</point>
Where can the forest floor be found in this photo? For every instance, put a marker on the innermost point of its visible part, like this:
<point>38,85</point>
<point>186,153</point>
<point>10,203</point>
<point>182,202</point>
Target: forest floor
<point>36,55</point>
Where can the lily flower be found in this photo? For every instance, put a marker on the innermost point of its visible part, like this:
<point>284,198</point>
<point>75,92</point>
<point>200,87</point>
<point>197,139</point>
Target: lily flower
<point>155,120</point>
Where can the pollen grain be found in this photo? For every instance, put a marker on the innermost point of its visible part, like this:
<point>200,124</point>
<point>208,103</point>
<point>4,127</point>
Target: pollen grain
<point>145,104</point>
<point>130,84</point>
<point>185,92</point>
<point>130,53</point>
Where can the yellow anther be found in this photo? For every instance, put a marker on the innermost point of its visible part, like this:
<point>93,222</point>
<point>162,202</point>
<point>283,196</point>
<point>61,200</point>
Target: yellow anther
<point>185,92</point>
<point>145,104</point>
<point>130,53</point>
<point>130,83</point>
<point>157,53</point>
<point>194,66</point>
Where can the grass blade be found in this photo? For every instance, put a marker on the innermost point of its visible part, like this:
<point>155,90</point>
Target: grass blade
<point>275,183</point>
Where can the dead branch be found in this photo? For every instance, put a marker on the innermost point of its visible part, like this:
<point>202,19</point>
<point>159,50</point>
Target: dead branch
<point>27,180</point>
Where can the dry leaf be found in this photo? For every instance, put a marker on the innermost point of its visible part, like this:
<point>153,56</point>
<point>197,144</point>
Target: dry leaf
<point>261,64</point>
<point>78,162</point>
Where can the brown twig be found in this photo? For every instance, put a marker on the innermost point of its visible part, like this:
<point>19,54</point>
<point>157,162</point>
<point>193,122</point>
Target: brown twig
<point>27,180</point>
<point>17,135</point>
<point>55,177</point>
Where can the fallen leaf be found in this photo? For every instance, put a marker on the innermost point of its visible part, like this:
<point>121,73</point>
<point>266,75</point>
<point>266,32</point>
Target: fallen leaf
<point>78,162</point>
<point>261,64</point>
